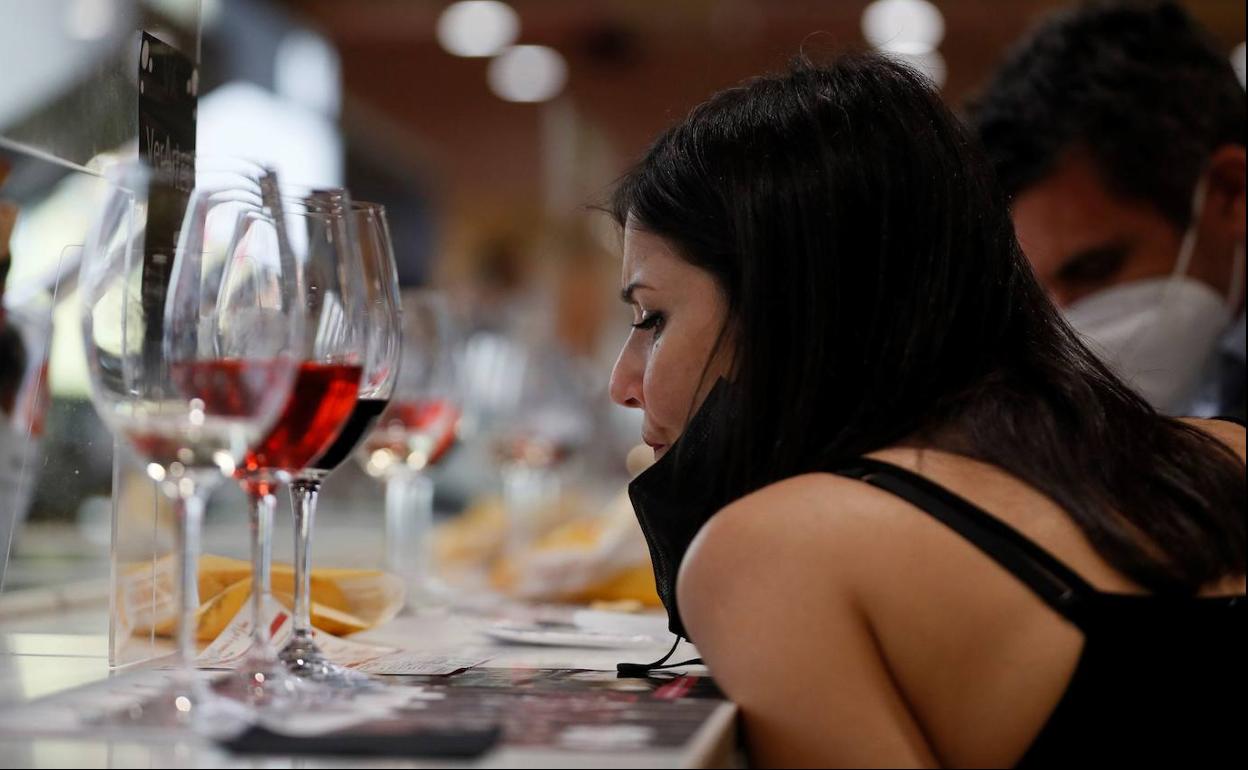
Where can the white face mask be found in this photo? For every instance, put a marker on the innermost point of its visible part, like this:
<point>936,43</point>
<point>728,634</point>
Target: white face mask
<point>1159,333</point>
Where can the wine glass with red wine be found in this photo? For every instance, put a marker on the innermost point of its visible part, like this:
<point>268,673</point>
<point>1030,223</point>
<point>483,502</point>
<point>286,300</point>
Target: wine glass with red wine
<point>416,432</point>
<point>189,351</point>
<point>331,288</point>
<point>382,340</point>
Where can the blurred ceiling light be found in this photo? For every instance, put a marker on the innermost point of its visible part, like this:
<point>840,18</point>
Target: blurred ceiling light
<point>478,27</point>
<point>306,71</point>
<point>1237,61</point>
<point>528,73</point>
<point>903,26</point>
<point>931,64</point>
<point>302,145</point>
<point>89,19</point>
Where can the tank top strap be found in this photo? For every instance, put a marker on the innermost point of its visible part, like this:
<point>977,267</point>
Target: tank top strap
<point>1060,587</point>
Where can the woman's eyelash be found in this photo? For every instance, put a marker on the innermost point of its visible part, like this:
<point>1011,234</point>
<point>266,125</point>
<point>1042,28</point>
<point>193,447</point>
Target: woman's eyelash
<point>648,322</point>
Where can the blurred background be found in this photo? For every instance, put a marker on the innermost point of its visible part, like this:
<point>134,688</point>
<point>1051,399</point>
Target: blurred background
<point>489,130</point>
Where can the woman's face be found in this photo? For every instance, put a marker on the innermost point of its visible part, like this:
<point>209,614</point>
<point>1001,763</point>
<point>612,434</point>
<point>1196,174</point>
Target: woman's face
<point>678,312</point>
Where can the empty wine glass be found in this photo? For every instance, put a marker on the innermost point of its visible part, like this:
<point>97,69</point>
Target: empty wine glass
<point>415,432</point>
<point>534,418</point>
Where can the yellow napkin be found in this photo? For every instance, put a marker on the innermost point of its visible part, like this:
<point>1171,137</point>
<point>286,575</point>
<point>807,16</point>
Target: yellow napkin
<point>579,538</point>
<point>571,549</point>
<point>344,601</point>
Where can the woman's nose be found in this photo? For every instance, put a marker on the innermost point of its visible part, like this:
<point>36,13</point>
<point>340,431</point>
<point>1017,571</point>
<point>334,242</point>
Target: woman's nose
<point>626,379</point>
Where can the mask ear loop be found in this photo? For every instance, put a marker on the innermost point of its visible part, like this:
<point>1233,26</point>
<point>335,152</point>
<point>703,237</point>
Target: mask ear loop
<point>1187,247</point>
<point>642,670</point>
<point>1183,260</point>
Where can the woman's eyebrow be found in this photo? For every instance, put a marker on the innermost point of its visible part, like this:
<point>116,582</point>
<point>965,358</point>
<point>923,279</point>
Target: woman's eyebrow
<point>626,294</point>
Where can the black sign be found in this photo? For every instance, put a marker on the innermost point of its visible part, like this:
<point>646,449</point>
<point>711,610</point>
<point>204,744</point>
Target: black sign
<point>168,95</point>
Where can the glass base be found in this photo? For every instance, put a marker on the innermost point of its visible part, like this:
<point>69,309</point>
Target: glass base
<point>261,684</point>
<point>176,699</point>
<point>304,659</point>
<point>427,594</point>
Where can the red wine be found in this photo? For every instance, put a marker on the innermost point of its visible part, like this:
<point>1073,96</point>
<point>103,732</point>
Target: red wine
<point>228,392</point>
<point>229,387</point>
<point>320,401</point>
<point>361,421</point>
<point>417,433</point>
<point>165,449</point>
<point>533,452</point>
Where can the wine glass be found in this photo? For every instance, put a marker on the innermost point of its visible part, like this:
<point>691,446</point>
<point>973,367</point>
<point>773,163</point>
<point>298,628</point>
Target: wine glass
<point>415,432</point>
<point>331,289</point>
<point>301,654</point>
<point>188,351</point>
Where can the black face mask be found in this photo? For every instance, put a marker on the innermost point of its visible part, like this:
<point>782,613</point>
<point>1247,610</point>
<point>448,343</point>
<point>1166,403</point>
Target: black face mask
<point>677,495</point>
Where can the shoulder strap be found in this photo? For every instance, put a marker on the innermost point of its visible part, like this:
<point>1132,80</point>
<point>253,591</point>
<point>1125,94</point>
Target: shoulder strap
<point>1055,583</point>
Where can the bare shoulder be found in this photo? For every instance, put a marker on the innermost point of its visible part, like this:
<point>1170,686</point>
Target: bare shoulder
<point>1228,433</point>
<point>815,514</point>
<point>766,587</point>
<point>820,562</point>
<point>802,500</point>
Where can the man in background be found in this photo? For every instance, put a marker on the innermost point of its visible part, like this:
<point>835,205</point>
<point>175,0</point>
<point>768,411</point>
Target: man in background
<point>1117,133</point>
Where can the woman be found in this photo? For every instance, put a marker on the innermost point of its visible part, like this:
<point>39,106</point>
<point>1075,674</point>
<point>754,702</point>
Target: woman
<point>942,533</point>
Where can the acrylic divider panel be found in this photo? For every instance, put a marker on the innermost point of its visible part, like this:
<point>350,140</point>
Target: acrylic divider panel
<point>85,539</point>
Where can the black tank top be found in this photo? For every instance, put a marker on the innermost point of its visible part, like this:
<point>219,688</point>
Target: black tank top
<point>1161,679</point>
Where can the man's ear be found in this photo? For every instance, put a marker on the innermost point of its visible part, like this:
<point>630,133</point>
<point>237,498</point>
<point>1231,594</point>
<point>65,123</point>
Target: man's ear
<point>1224,203</point>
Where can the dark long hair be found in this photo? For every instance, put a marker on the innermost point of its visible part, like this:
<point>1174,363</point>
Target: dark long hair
<point>877,295</point>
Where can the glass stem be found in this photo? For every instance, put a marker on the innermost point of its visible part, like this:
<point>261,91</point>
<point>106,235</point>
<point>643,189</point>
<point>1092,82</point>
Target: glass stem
<point>409,517</point>
<point>263,504</point>
<point>526,490</point>
<point>303,493</point>
<point>189,505</point>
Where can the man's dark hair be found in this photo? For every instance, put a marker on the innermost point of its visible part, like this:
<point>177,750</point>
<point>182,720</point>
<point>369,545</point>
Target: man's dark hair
<point>1139,87</point>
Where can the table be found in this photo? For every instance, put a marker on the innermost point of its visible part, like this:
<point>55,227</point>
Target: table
<point>518,682</point>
